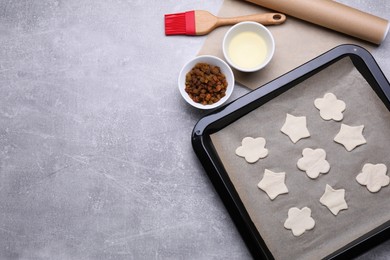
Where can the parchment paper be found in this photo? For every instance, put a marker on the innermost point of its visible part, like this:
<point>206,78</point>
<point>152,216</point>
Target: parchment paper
<point>366,210</point>
<point>296,42</point>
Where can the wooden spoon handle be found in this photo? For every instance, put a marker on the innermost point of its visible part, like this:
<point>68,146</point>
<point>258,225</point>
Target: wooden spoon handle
<point>264,19</point>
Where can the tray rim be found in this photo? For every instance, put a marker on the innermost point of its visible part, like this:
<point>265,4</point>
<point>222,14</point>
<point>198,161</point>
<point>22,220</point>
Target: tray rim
<point>219,118</point>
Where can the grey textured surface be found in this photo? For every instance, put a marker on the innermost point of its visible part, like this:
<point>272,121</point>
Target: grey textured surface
<point>95,153</point>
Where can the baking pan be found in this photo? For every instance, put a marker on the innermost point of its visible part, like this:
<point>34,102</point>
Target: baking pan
<point>259,110</point>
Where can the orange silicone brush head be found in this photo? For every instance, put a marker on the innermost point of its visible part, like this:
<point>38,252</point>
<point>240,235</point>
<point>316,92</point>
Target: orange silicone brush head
<point>180,23</point>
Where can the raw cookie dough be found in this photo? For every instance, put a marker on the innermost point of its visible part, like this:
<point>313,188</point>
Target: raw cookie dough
<point>252,149</point>
<point>350,136</point>
<point>373,176</point>
<point>295,128</point>
<point>299,220</point>
<point>313,162</point>
<point>330,107</point>
<point>273,183</point>
<point>334,199</point>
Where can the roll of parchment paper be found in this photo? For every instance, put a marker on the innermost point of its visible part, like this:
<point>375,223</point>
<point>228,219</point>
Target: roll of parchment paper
<point>332,15</point>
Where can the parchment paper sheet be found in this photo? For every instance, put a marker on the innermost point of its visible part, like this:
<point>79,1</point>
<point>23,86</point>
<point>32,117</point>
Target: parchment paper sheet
<point>366,210</point>
<point>296,42</point>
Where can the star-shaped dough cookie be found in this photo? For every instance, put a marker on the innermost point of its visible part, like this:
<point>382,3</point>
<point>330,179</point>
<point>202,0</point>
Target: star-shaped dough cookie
<point>295,128</point>
<point>330,107</point>
<point>373,176</point>
<point>273,183</point>
<point>350,136</point>
<point>334,199</point>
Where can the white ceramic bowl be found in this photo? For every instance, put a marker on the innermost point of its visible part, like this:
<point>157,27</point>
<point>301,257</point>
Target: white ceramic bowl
<point>248,46</point>
<point>212,60</point>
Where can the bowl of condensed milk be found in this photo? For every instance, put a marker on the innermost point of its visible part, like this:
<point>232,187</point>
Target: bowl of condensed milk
<point>248,46</point>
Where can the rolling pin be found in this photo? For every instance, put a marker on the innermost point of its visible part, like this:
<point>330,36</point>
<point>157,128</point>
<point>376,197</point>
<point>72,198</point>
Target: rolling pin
<point>333,15</point>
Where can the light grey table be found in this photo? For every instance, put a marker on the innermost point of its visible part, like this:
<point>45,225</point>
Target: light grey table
<point>95,153</point>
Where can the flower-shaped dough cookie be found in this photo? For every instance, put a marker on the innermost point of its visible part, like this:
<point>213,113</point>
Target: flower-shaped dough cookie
<point>334,199</point>
<point>273,183</point>
<point>330,107</point>
<point>299,220</point>
<point>373,176</point>
<point>350,136</point>
<point>313,162</point>
<point>252,149</point>
<point>295,128</point>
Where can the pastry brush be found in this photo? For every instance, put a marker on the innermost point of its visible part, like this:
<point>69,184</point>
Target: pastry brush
<point>200,22</point>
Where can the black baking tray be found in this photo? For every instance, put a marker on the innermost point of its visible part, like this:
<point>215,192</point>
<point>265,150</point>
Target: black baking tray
<point>220,118</point>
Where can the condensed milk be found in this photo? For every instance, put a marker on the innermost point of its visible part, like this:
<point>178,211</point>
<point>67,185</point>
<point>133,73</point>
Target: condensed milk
<point>247,50</point>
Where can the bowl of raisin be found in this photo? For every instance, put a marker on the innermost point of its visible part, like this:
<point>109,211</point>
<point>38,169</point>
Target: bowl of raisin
<point>206,82</point>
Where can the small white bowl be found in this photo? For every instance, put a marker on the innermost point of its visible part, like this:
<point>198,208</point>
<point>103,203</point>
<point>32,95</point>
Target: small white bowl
<point>248,46</point>
<point>212,60</point>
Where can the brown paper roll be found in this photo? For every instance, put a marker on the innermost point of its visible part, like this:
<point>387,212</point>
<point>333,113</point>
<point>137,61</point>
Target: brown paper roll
<point>332,15</point>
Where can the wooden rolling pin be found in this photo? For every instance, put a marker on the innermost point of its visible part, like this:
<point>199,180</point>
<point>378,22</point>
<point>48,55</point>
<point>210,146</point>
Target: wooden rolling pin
<point>332,15</point>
